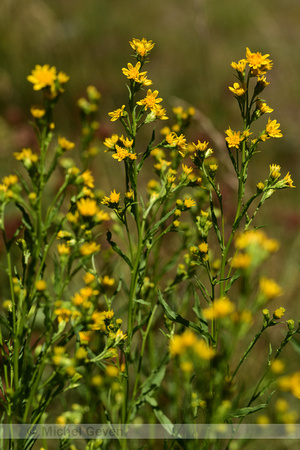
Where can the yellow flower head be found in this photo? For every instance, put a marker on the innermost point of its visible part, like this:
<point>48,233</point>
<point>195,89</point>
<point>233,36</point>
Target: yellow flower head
<point>241,261</point>
<point>63,249</point>
<point>26,156</point>
<point>221,307</point>
<point>203,350</point>
<point>274,171</point>
<point>113,198</point>
<point>40,285</point>
<point>277,366</point>
<point>269,288</point>
<point>278,313</point>
<point>88,248</point>
<point>65,144</point>
<point>122,153</point>
<point>10,180</point>
<point>141,47</point>
<point>263,107</point>
<point>272,129</point>
<point>258,63</point>
<point>111,142</point>
<point>288,181</point>
<point>115,115</point>
<point>150,101</point>
<point>37,113</point>
<point>42,76</point>
<point>234,138</point>
<point>237,89</point>
<point>87,207</point>
<point>189,202</point>
<point>239,66</point>
<point>203,247</point>
<point>133,72</point>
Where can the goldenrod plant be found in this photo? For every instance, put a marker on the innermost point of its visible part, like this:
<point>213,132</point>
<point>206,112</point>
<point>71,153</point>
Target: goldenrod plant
<point>141,305</point>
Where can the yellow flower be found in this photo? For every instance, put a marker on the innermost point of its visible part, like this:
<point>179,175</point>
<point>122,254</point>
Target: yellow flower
<point>96,380</point>
<point>221,307</point>
<point>106,281</point>
<point>113,198</point>
<point>40,285</point>
<point>203,247</point>
<point>88,178</point>
<point>37,113</point>
<point>150,100</point>
<point>81,353</point>
<point>189,202</point>
<point>203,350</point>
<point>87,207</point>
<point>88,278</point>
<point>288,180</point>
<point>10,180</point>
<point>111,142</point>
<point>263,107</point>
<point>133,72</point>
<point>239,66</point>
<point>260,186</point>
<point>277,366</point>
<point>241,261</point>
<point>62,77</point>
<point>141,47</point>
<point>126,141</point>
<point>112,371</point>
<point>63,314</point>
<point>272,129</point>
<point>88,248</point>
<point>234,138</point>
<point>42,76</point>
<point>26,156</point>
<point>237,89</point>
<point>85,336</point>
<point>159,112</point>
<point>278,313</point>
<point>290,383</point>
<point>269,288</point>
<point>63,249</point>
<point>65,144</point>
<point>274,171</point>
<point>259,63</point>
<point>122,153</point>
<point>73,218</point>
<point>115,115</point>
<point>187,170</point>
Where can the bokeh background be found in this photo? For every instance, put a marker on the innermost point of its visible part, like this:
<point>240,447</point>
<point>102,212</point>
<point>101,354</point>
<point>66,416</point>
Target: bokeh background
<point>196,40</point>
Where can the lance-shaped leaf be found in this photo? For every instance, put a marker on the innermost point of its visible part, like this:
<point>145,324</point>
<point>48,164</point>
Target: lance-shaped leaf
<point>117,249</point>
<point>172,315</point>
<point>243,412</point>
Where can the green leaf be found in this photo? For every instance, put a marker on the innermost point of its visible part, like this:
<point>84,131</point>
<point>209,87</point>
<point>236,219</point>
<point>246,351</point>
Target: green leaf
<point>158,224</point>
<point>117,249</point>
<point>243,412</point>
<point>156,377</point>
<point>214,220</point>
<point>172,315</point>
<point>142,302</point>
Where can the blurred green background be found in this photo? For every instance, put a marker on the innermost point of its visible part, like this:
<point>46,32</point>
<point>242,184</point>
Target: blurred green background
<point>196,40</point>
